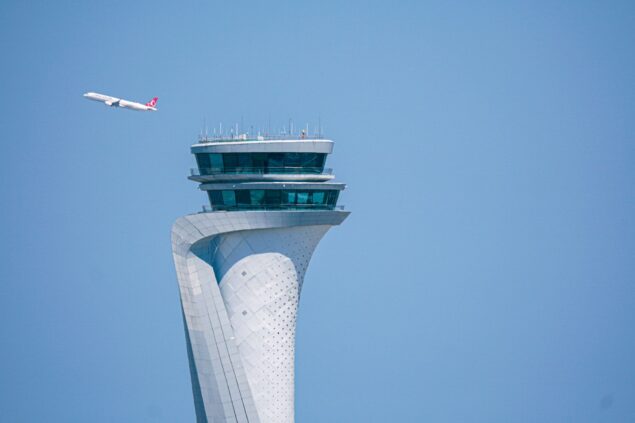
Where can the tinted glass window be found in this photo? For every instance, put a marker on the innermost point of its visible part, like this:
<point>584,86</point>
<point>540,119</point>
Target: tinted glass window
<point>285,199</point>
<point>257,196</point>
<point>245,164</point>
<point>332,199</point>
<point>303,197</point>
<point>216,162</point>
<point>275,162</point>
<point>243,197</point>
<point>202,160</point>
<point>231,162</point>
<point>293,159</point>
<point>259,160</point>
<point>211,163</point>
<point>215,197</point>
<point>273,197</point>
<point>229,198</point>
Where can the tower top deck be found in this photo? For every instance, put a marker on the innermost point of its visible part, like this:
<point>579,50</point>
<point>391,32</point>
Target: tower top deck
<point>302,136</point>
<point>280,172</point>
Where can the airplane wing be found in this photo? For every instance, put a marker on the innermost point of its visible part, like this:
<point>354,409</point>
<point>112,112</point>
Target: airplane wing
<point>106,99</point>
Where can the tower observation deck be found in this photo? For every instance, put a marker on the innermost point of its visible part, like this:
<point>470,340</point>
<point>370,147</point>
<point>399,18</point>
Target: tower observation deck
<point>240,267</point>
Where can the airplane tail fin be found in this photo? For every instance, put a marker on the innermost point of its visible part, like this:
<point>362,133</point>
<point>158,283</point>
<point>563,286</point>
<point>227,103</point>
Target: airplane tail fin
<point>152,102</point>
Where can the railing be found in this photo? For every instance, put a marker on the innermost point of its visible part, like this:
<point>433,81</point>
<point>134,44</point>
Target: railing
<point>261,171</point>
<point>250,137</point>
<point>263,207</point>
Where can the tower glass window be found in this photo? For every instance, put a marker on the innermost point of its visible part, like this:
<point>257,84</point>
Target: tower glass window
<point>290,163</point>
<point>246,199</point>
<point>228,198</point>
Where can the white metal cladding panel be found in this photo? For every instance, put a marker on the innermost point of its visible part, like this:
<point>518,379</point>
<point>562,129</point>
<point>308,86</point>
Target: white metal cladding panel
<point>217,363</point>
<point>272,146</point>
<point>261,274</point>
<point>221,378</point>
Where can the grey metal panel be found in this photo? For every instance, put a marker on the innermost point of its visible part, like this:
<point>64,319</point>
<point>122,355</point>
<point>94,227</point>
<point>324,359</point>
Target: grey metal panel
<point>199,406</point>
<point>281,146</point>
<point>246,177</point>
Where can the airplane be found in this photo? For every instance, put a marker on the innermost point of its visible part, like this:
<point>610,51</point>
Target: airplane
<point>118,102</point>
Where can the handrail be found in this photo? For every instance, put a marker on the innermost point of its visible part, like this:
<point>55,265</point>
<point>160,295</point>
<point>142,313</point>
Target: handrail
<point>293,170</point>
<point>204,139</point>
<point>263,207</point>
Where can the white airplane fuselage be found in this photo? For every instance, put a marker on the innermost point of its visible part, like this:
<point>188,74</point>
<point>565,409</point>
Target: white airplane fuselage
<point>118,102</point>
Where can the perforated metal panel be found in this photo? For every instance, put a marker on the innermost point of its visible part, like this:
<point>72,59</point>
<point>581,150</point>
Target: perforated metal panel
<point>240,276</point>
<point>261,274</point>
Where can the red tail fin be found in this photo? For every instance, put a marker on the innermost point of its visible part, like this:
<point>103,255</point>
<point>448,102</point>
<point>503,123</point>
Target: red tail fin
<point>152,102</point>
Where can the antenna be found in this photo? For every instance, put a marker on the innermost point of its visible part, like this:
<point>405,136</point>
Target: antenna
<point>319,126</point>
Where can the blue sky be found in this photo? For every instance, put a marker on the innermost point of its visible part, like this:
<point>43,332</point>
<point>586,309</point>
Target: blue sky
<point>486,274</point>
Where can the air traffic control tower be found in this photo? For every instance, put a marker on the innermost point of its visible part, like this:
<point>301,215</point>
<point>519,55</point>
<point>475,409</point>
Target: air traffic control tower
<point>240,265</point>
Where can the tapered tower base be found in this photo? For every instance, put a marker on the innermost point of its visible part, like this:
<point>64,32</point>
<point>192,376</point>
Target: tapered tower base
<point>240,275</point>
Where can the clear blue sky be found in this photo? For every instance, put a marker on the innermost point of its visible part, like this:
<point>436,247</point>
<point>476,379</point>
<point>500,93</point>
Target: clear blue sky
<point>487,273</point>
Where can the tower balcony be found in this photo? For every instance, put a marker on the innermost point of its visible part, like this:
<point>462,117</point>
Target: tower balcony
<point>261,173</point>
